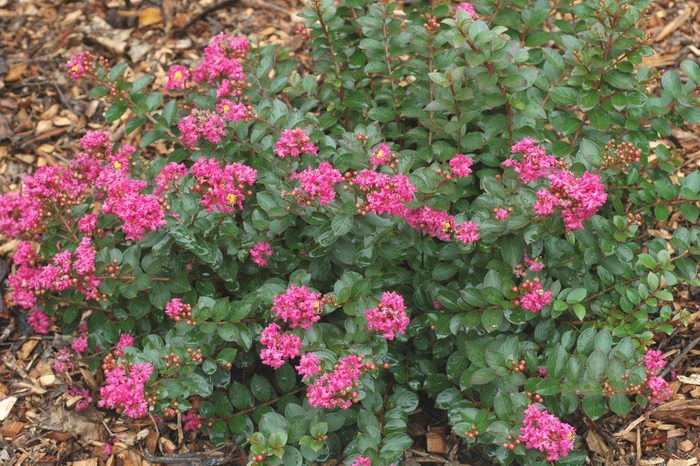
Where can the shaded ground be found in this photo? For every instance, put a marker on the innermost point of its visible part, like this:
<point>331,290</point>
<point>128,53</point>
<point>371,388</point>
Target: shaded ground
<point>42,116</point>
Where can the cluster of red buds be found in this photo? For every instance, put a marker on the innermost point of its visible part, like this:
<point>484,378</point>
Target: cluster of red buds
<point>304,32</point>
<point>620,155</point>
<point>113,270</point>
<point>446,173</point>
<point>185,314</point>
<point>195,356</point>
<point>534,398</point>
<point>635,219</point>
<point>472,432</point>
<point>513,443</point>
<point>171,360</point>
<point>432,26</point>
<point>527,286</point>
<point>517,366</point>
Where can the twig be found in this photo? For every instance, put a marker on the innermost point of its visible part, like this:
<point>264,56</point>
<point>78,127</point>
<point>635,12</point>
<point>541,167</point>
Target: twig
<point>680,357</point>
<point>63,97</point>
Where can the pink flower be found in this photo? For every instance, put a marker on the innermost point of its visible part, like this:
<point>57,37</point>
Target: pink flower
<point>389,317</point>
<point>654,360</point>
<point>232,111</point>
<point>191,420</point>
<point>381,155</point>
<point>221,187</point>
<point>177,76</point>
<point>390,197</point>
<point>543,372</point>
<point>309,365</point>
<point>501,214</point>
<point>467,232</point>
<point>87,223</point>
<point>19,214</point>
<point>546,433</point>
<point>535,162</point>
<point>221,59</point>
<point>460,163</point>
<point>85,394</point>
<point>94,140</point>
<point>201,123</point>
<point>108,449</point>
<point>361,461</point>
<point>659,390</point>
<point>125,340</point>
<point>63,361</point>
<point>124,389</point>
<point>534,265</point>
<point>256,253</point>
<point>298,306</point>
<point>546,202</point>
<point>468,7</point>
<point>437,305</point>
<point>318,183</point>
<point>436,223</point>
<point>84,262</point>
<point>279,346</point>
<point>39,321</point>
<point>536,299</point>
<point>294,142</point>
<point>174,308</point>
<point>80,345</point>
<point>24,254</point>
<point>80,64</point>
<point>331,390</point>
<point>167,177</point>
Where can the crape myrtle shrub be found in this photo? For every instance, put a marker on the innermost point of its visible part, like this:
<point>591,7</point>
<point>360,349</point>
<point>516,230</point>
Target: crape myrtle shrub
<point>449,207</point>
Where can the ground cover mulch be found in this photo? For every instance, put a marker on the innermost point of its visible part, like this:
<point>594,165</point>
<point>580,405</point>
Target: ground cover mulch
<point>42,116</point>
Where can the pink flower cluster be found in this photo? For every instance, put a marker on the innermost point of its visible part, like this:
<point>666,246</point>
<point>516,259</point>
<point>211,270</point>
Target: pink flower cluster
<point>39,321</point>
<point>536,299</point>
<point>80,64</point>
<point>280,346</point>
<point>201,124</point>
<point>659,390</point>
<point>501,214</point>
<point>63,361</point>
<point>222,188</point>
<point>460,163</point>
<point>545,432</point>
<point>294,142</point>
<point>85,394</point>
<point>168,177</point>
<point>257,253</point>
<point>468,7</point>
<point>331,389</point>
<point>467,232</point>
<point>87,223</point>
<point>125,341</point>
<point>66,270</point>
<point>309,365</point>
<point>654,360</point>
<point>389,317</point>
<point>80,345</point>
<point>231,110</point>
<point>361,461</point>
<point>124,389</point>
<point>191,421</point>
<point>221,59</point>
<point>177,77</point>
<point>381,155</point>
<point>578,198</point>
<point>317,183</point>
<point>298,306</point>
<point>436,223</point>
<point>19,215</point>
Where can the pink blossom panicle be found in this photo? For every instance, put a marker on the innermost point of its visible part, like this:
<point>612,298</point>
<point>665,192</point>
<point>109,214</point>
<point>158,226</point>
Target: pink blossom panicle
<point>125,340</point>
<point>536,299</point>
<point>191,421</point>
<point>201,124</point>
<point>361,461</point>
<point>86,396</point>
<point>19,215</point>
<point>294,142</point>
<point>87,223</point>
<point>63,361</point>
<point>436,223</point>
<point>221,187</point>
<point>124,389</point>
<point>535,163</point>
<point>654,360</point>
<point>309,365</point>
<point>545,432</point>
<point>95,140</point>
<point>231,110</point>
<point>298,306</point>
<point>461,164</point>
<point>534,265</point>
<point>259,251</point>
<point>330,390</point>
<point>221,59</point>
<point>39,321</point>
<point>468,7</point>
<point>659,389</point>
<point>381,155</point>
<point>80,64</point>
<point>389,317</point>
<point>467,232</point>
<point>167,177</point>
<point>501,214</point>
<point>80,345</point>
<point>177,77</point>
<point>317,183</point>
<point>279,346</point>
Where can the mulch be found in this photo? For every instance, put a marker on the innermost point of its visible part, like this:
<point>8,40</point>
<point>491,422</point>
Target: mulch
<point>42,116</point>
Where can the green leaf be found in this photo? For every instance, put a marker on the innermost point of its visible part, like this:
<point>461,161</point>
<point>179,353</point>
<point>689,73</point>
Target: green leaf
<point>594,406</point>
<point>341,224</point>
<point>115,112</point>
<point>381,114</point>
<point>576,295</point>
<point>170,112</point>
<point>141,83</point>
<point>491,319</point>
<point>116,72</point>
<point>599,118</point>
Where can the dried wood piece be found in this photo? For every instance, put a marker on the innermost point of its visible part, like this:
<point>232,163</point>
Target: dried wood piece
<point>673,25</point>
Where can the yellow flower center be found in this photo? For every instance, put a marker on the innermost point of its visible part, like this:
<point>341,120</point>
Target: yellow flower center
<point>316,304</point>
<point>226,108</point>
<point>231,198</point>
<point>117,165</point>
<point>178,76</point>
<point>75,68</point>
<point>446,226</point>
<point>380,154</point>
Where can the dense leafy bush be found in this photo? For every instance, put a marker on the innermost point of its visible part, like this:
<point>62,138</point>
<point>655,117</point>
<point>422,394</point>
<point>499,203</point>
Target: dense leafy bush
<point>447,209</point>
